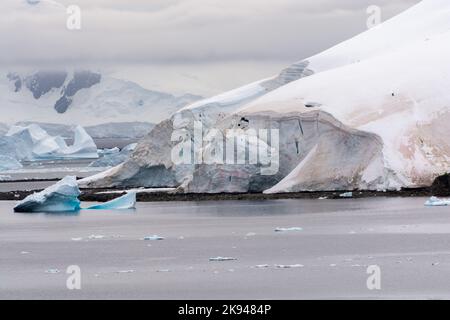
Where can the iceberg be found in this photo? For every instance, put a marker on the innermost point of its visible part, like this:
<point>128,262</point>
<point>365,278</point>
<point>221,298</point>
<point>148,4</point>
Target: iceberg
<point>112,159</point>
<point>60,197</point>
<point>9,163</point>
<point>127,201</point>
<point>34,143</point>
<point>83,146</point>
<point>436,202</point>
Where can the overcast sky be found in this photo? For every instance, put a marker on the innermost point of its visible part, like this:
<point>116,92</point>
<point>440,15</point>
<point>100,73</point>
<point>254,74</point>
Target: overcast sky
<point>196,46</point>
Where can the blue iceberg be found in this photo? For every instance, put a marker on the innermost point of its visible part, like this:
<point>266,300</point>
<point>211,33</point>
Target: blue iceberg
<point>127,201</point>
<point>60,197</point>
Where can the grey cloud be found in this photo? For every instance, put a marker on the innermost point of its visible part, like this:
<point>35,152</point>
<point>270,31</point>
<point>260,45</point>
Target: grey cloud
<point>167,31</point>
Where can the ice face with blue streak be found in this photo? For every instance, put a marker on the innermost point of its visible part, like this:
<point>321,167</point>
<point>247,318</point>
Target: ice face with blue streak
<point>60,197</point>
<point>127,201</point>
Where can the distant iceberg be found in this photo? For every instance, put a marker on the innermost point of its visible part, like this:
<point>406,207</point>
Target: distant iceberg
<point>60,197</point>
<point>127,201</point>
<point>112,159</point>
<point>33,143</point>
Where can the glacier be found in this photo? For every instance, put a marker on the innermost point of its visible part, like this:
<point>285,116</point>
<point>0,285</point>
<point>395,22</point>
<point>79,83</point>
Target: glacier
<point>60,197</point>
<point>370,113</point>
<point>436,202</point>
<point>127,201</point>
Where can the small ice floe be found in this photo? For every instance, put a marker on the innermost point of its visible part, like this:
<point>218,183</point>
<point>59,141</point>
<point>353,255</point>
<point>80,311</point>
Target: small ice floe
<point>250,234</point>
<point>434,264</point>
<point>333,265</point>
<point>125,271</point>
<point>222,259</point>
<point>76,239</point>
<point>24,252</point>
<point>261,266</point>
<point>288,229</point>
<point>346,195</point>
<point>436,202</point>
<point>52,271</point>
<point>163,270</point>
<point>288,266</point>
<point>153,238</point>
<point>323,198</point>
<point>96,237</point>
<point>127,201</point>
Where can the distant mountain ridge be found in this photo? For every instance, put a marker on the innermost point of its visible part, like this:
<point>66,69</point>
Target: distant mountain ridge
<point>82,97</point>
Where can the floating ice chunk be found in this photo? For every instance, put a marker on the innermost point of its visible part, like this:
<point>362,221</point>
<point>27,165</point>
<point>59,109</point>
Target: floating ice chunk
<point>222,259</point>
<point>261,266</point>
<point>288,229</point>
<point>346,195</point>
<point>60,197</point>
<point>436,202</point>
<point>52,271</point>
<point>127,201</point>
<point>96,237</point>
<point>77,239</point>
<point>288,266</point>
<point>125,271</point>
<point>153,238</point>
<point>9,163</point>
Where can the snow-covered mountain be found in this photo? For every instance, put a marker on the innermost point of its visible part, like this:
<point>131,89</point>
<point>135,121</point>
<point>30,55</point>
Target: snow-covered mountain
<point>369,113</point>
<point>82,97</point>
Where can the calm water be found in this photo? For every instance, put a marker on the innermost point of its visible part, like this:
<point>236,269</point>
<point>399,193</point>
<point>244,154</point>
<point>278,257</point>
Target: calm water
<point>327,259</point>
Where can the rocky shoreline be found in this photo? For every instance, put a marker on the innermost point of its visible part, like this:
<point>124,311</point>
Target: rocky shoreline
<point>440,188</point>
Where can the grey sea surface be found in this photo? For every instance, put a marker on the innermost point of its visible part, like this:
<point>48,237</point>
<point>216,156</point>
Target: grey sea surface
<point>230,250</point>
